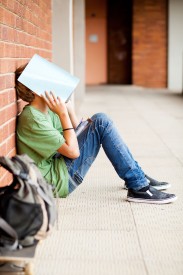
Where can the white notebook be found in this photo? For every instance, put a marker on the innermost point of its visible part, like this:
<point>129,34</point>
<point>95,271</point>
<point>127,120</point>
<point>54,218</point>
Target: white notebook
<point>40,75</point>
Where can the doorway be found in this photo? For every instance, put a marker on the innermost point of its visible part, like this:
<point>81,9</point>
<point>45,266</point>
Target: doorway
<point>119,28</point>
<point>108,42</point>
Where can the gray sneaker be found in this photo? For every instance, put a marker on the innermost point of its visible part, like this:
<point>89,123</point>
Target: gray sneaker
<point>158,185</point>
<point>150,195</point>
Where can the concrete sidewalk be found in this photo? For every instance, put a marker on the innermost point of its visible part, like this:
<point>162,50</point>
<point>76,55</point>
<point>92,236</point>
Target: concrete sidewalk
<point>98,231</point>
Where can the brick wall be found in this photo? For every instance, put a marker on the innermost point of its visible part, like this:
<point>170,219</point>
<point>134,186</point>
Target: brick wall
<point>25,29</point>
<point>150,43</point>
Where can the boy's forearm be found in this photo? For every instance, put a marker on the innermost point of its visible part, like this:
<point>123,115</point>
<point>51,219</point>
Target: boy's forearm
<point>65,120</point>
<point>69,135</point>
<point>72,114</point>
<point>74,119</point>
<point>70,148</point>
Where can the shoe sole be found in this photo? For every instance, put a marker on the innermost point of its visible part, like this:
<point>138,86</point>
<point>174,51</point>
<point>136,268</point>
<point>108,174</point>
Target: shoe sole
<point>130,199</point>
<point>159,188</point>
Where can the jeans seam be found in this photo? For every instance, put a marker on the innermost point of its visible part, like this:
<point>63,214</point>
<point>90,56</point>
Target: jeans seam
<point>83,163</point>
<point>91,123</point>
<point>107,129</point>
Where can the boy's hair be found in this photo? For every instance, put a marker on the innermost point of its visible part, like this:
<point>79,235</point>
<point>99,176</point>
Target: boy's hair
<point>22,91</point>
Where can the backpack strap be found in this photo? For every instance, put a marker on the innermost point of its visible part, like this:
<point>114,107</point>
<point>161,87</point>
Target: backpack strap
<point>11,232</point>
<point>22,171</point>
<point>9,165</point>
<point>24,174</point>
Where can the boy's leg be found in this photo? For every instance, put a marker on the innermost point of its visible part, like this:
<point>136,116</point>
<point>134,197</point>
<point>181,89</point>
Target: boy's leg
<point>158,185</point>
<point>101,131</point>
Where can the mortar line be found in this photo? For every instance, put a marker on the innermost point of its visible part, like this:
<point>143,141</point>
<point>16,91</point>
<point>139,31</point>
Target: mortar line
<point>138,239</point>
<point>156,133</point>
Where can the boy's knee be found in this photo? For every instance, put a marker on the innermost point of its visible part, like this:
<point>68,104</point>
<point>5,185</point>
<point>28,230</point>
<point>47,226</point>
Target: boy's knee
<point>100,116</point>
<point>102,119</point>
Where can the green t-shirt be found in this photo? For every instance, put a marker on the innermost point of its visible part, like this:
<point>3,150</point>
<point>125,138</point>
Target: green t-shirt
<point>39,136</point>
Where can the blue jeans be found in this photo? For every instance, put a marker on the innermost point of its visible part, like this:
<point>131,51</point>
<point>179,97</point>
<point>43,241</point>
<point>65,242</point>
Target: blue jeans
<point>101,131</point>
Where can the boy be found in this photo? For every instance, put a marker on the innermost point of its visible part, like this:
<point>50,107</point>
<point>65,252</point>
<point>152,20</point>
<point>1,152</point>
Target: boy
<point>46,132</point>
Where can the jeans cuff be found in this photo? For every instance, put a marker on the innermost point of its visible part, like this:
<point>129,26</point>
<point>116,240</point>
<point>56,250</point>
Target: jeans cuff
<point>145,184</point>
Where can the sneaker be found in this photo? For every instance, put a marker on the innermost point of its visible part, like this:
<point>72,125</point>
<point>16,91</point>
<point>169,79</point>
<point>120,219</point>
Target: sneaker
<point>158,185</point>
<point>150,195</point>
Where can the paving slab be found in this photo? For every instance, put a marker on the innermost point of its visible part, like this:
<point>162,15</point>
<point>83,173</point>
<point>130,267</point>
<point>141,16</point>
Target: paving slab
<point>98,232</point>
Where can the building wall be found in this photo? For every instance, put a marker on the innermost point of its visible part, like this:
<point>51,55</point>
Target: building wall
<point>25,29</point>
<point>149,68</point>
<point>175,45</point>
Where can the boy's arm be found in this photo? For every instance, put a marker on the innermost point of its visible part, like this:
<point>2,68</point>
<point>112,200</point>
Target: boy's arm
<point>72,114</point>
<point>70,148</point>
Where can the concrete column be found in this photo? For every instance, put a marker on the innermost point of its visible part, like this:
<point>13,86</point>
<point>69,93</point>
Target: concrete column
<point>79,48</point>
<point>175,45</point>
<point>62,33</point>
<point>68,37</point>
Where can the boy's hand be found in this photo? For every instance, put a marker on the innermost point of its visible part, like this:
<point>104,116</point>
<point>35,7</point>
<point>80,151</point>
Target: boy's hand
<point>56,104</point>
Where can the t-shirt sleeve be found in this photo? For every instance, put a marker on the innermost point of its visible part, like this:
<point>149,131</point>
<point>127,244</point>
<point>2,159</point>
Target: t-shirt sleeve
<point>42,137</point>
<point>56,121</point>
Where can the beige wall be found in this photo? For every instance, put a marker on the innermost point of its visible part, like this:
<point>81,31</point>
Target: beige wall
<point>68,29</point>
<point>79,48</point>
<point>96,52</point>
<point>62,33</point>
<point>175,45</point>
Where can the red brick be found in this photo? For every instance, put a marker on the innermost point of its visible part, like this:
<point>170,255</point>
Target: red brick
<point>10,80</point>
<point>11,4</point>
<point>19,22</point>
<point>7,113</point>
<point>7,129</point>
<point>10,143</point>
<point>150,43</point>
<point>7,65</point>
<point>6,179</point>
<point>7,97</point>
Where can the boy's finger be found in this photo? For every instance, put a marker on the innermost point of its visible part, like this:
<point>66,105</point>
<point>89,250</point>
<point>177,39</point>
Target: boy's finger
<point>49,97</point>
<point>53,95</point>
<point>59,99</point>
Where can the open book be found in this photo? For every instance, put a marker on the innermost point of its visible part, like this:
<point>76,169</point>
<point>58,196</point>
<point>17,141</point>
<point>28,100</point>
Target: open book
<point>40,75</point>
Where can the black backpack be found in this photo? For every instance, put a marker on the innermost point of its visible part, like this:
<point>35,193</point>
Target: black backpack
<point>27,206</point>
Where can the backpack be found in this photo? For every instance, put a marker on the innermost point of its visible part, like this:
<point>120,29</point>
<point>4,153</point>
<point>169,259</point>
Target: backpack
<point>27,207</point>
